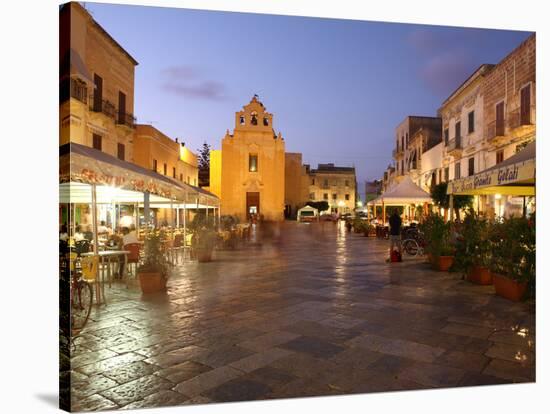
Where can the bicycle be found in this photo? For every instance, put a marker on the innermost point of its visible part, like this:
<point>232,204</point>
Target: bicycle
<point>81,292</point>
<point>414,243</point>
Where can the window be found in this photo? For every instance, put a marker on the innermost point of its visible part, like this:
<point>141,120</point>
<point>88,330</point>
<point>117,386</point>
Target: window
<point>165,169</point>
<point>98,93</point>
<point>313,181</point>
<point>121,107</point>
<point>241,120</point>
<point>457,170</point>
<point>402,169</point>
<point>346,183</point>
<point>499,123</point>
<point>446,174</point>
<point>325,182</point>
<point>120,151</point>
<point>407,139</point>
<point>266,121</point>
<point>252,163</point>
<point>457,132</point>
<point>439,173</point>
<point>525,111</point>
<point>471,163</point>
<point>334,196</point>
<point>446,136</point>
<point>500,156</point>
<point>402,142</point>
<point>174,172</point>
<point>254,118</point>
<point>471,119</point>
<point>97,141</point>
<point>347,197</point>
<point>312,196</point>
<point>155,165</point>
<point>181,177</point>
<point>325,196</point>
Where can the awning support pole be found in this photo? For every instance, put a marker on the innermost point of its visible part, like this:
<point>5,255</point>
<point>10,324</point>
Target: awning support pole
<point>451,209</point>
<point>146,209</point>
<point>94,217</point>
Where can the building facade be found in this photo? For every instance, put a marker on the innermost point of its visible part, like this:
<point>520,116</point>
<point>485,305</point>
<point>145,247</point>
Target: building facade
<point>156,151</point>
<point>249,173</point>
<point>296,183</point>
<point>408,151</point>
<point>464,149</point>
<point>335,185</point>
<point>96,86</point>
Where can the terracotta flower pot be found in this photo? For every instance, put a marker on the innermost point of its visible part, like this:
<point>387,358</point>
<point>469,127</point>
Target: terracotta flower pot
<point>204,255</point>
<point>443,263</point>
<point>151,282</point>
<point>509,288</point>
<point>480,275</point>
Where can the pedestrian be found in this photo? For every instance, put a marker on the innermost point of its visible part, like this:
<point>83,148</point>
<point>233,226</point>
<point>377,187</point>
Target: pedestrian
<point>395,231</point>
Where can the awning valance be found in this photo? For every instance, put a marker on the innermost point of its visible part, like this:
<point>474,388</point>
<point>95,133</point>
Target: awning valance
<point>404,193</point>
<point>514,176</point>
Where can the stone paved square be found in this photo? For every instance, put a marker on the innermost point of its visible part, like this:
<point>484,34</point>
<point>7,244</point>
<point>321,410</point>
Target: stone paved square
<point>316,311</point>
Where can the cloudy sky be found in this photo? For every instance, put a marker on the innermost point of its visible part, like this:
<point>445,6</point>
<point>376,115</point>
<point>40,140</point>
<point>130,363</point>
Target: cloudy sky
<point>337,88</point>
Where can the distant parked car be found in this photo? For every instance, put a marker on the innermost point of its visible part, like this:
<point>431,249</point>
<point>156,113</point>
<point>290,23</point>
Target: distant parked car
<point>328,217</point>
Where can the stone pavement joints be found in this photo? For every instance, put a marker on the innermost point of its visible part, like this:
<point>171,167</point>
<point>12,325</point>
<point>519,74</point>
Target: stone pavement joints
<point>318,312</point>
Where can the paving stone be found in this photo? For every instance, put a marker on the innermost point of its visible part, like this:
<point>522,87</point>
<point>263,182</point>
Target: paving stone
<point>94,402</point>
<point>398,347</point>
<point>513,353</point>
<point>163,398</point>
<point>510,370</point>
<point>207,380</point>
<point>130,372</point>
<point>313,346</point>
<point>433,375</point>
<point>135,390</point>
<point>481,332</point>
<point>268,340</point>
<point>110,363</point>
<point>260,359</point>
<point>238,390</point>
<point>182,372</point>
<point>464,360</point>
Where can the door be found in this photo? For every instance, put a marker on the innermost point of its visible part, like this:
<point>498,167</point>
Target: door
<point>526,105</point>
<point>252,204</point>
<point>98,92</point>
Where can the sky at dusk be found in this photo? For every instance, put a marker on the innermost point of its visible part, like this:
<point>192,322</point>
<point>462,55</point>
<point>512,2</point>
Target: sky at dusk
<point>337,88</point>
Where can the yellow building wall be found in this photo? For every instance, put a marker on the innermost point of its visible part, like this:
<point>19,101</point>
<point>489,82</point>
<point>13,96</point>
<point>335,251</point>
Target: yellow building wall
<point>268,180</point>
<point>87,42</point>
<point>151,144</point>
<point>296,182</point>
<point>215,173</point>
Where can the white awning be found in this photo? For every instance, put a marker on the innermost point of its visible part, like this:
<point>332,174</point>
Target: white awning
<point>514,176</point>
<point>404,193</point>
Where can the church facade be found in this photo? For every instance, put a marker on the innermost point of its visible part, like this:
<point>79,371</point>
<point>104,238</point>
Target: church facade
<point>248,173</point>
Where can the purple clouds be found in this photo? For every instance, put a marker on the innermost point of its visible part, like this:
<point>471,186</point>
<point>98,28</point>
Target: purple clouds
<point>187,82</point>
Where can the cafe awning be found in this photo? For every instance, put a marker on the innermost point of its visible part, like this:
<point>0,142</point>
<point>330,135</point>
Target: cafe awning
<point>404,193</point>
<point>84,165</point>
<point>514,176</point>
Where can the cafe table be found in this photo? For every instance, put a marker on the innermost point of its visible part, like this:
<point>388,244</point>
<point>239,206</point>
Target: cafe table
<point>106,258</point>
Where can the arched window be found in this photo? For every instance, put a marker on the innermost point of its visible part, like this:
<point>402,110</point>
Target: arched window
<point>266,121</point>
<point>254,119</point>
<point>242,120</point>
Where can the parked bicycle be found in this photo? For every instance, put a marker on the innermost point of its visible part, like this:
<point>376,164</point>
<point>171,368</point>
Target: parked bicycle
<point>414,242</point>
<point>81,292</point>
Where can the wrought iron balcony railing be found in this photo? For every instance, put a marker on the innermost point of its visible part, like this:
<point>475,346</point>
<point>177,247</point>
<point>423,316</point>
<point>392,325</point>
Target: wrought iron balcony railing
<point>454,144</point>
<point>126,119</point>
<point>102,105</point>
<point>73,88</point>
<point>518,118</point>
<point>495,130</point>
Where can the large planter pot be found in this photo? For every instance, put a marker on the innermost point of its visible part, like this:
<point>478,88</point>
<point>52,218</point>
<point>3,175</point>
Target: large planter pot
<point>151,282</point>
<point>442,263</point>
<point>480,275</point>
<point>204,255</point>
<point>509,288</point>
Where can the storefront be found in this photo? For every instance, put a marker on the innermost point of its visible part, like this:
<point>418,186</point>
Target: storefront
<point>506,189</point>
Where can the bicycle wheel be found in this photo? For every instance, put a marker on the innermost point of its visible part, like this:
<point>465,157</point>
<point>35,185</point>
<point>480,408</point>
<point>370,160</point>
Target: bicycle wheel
<point>411,247</point>
<point>81,305</point>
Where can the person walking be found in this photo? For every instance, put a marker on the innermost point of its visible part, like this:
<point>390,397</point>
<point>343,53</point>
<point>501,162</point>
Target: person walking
<point>395,231</point>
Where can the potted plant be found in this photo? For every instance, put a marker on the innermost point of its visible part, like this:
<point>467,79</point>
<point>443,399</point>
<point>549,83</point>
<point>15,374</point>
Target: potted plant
<point>153,270</point>
<point>472,251</point>
<point>439,247</point>
<point>204,237</point>
<point>512,243</point>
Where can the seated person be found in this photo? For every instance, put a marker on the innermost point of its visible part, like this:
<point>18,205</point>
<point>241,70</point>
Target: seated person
<point>103,229</point>
<point>78,235</point>
<point>88,234</point>
<point>63,234</point>
<point>128,236</point>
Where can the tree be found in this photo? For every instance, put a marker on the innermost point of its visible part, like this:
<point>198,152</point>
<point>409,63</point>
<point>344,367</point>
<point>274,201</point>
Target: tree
<point>319,205</point>
<point>442,199</point>
<point>204,165</point>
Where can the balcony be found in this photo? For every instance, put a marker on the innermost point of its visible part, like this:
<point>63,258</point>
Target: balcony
<point>397,152</point>
<point>454,147</point>
<point>518,119</point>
<point>125,119</point>
<point>415,166</point>
<point>495,131</point>
<point>73,88</point>
<point>103,106</point>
